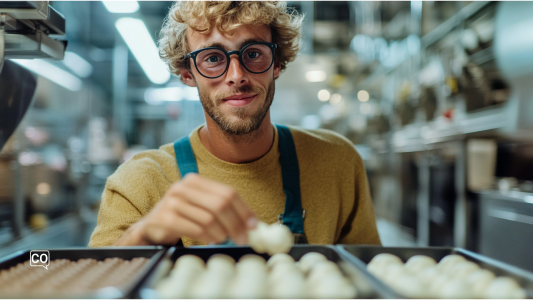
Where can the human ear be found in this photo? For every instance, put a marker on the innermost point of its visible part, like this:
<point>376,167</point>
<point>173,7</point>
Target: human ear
<point>188,77</point>
<point>277,69</point>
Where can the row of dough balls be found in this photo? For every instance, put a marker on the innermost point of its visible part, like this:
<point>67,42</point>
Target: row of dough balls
<point>452,277</point>
<point>313,276</point>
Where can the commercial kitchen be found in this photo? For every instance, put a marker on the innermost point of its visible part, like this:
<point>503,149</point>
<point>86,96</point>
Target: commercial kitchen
<point>436,98</point>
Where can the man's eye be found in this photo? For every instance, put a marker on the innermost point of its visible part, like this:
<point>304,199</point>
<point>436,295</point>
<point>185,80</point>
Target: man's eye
<point>253,54</point>
<point>212,59</point>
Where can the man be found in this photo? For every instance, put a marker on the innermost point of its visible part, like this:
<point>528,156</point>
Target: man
<point>248,170</point>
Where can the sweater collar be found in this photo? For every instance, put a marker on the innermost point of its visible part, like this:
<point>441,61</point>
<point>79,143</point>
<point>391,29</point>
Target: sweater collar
<point>254,168</point>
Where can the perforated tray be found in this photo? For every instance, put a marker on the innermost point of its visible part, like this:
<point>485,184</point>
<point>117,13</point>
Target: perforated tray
<point>361,281</point>
<point>362,255</point>
<point>125,291</point>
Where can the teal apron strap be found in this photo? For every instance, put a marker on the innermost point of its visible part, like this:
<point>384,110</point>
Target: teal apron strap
<point>185,156</point>
<point>290,174</point>
<point>186,162</point>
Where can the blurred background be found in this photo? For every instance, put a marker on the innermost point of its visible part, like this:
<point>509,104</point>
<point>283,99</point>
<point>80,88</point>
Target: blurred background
<point>434,95</point>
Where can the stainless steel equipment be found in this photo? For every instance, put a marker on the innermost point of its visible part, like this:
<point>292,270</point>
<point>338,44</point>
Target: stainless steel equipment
<point>25,29</point>
<point>506,227</point>
<point>513,44</point>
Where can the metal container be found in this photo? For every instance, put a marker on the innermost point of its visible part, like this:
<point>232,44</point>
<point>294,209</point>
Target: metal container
<point>362,255</point>
<point>506,227</point>
<point>125,291</point>
<point>355,274</point>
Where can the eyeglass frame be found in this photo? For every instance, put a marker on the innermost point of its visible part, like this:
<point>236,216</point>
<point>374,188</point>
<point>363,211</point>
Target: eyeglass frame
<point>193,55</point>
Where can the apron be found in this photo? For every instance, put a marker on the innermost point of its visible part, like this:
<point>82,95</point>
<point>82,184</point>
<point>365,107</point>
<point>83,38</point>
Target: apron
<point>293,215</point>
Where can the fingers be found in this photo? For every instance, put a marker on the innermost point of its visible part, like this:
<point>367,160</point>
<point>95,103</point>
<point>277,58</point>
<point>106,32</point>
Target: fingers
<point>165,229</point>
<point>220,206</point>
<point>244,213</point>
<point>201,209</point>
<point>204,219</point>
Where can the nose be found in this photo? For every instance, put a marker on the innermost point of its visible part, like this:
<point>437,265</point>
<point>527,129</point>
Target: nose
<point>236,74</point>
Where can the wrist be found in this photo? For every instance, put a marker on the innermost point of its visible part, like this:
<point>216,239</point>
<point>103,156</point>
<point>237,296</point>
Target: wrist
<point>133,236</point>
<point>138,236</point>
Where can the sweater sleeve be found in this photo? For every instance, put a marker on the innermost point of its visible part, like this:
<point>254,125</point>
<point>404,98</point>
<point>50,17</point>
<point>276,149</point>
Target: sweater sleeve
<point>116,215</point>
<point>130,193</point>
<point>360,227</point>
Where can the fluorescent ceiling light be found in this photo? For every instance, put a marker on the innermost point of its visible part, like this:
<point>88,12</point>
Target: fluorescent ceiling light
<point>152,95</point>
<point>51,72</point>
<point>77,64</point>
<point>143,48</point>
<point>121,6</point>
<point>170,94</point>
<point>315,76</point>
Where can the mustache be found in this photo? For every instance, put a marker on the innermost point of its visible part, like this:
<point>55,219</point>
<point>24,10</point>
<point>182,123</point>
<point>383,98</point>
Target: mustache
<point>246,89</point>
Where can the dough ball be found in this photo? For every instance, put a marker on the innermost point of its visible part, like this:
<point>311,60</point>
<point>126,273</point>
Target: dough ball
<point>505,287</point>
<point>321,270</point>
<point>280,270</point>
<point>381,261</point>
<point>306,262</point>
<point>479,281</point>
<point>449,261</point>
<point>278,239</point>
<point>189,261</point>
<point>251,262</point>
<point>252,258</point>
<point>282,258</point>
<point>221,264</point>
<point>393,273</point>
<point>334,286</point>
<point>409,286</point>
<point>165,288</point>
<point>463,269</point>
<point>181,278</point>
<point>209,285</point>
<point>290,286</point>
<point>256,239</point>
<point>427,275</point>
<point>418,263</point>
<point>437,284</point>
<point>455,289</point>
<point>248,285</point>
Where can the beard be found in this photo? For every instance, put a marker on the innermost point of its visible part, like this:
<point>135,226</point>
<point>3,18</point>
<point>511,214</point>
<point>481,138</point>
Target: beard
<point>246,123</point>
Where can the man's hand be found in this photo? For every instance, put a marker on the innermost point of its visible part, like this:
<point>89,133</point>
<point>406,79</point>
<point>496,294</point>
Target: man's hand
<point>197,208</point>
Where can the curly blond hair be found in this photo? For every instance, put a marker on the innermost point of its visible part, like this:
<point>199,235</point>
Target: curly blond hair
<point>285,25</point>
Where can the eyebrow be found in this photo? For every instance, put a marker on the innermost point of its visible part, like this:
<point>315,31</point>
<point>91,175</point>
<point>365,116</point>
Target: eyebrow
<point>242,44</point>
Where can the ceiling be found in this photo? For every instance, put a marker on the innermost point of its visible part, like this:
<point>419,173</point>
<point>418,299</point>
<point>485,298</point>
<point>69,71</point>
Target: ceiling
<point>91,34</point>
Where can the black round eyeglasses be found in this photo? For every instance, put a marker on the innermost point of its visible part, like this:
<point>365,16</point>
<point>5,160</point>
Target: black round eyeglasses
<point>213,62</point>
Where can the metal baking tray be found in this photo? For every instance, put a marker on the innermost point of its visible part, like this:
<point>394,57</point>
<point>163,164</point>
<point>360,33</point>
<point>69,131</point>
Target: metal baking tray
<point>362,255</point>
<point>155,253</point>
<point>355,274</point>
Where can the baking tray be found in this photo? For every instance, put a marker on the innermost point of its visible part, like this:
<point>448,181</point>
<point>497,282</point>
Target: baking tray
<point>356,275</point>
<point>155,253</point>
<point>362,255</point>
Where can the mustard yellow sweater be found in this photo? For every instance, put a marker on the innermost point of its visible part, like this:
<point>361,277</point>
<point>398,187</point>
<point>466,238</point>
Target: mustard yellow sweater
<point>333,182</point>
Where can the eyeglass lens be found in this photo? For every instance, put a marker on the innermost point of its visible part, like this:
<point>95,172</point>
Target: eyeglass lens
<point>212,62</point>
